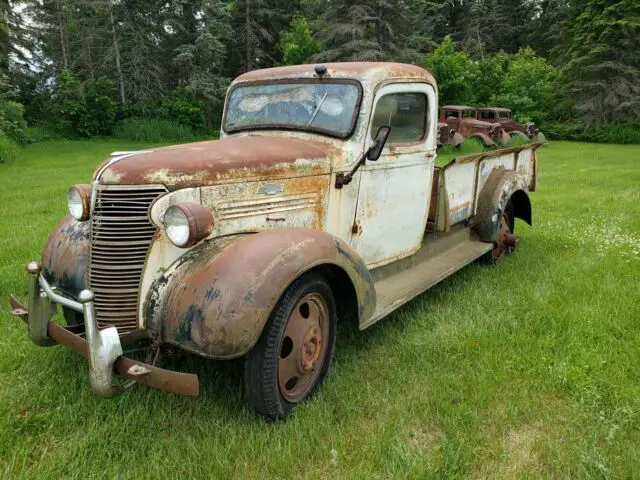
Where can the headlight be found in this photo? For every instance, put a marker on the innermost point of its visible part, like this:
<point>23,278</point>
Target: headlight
<point>187,223</point>
<point>79,201</point>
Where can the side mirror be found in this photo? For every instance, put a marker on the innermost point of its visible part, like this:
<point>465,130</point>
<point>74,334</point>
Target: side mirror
<point>381,139</point>
<point>372,154</point>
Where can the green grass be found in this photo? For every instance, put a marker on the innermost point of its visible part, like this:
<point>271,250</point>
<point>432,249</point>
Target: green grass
<point>470,147</point>
<point>449,152</point>
<point>529,369</point>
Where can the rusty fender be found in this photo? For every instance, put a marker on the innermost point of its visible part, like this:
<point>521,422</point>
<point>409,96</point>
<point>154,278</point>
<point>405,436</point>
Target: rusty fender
<point>505,138</point>
<point>456,139</point>
<point>501,186</point>
<point>485,139</point>
<point>66,255</point>
<point>216,300</point>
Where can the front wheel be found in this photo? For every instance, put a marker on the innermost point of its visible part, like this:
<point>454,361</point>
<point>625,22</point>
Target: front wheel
<point>294,352</point>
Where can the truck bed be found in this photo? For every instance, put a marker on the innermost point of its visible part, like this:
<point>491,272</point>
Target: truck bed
<point>458,182</point>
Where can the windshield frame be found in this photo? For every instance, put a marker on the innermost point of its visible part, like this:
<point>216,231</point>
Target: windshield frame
<point>301,128</point>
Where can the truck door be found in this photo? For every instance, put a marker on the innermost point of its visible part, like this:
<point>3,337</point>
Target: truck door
<point>394,192</point>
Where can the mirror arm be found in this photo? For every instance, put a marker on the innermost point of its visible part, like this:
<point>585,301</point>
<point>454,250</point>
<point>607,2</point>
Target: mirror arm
<point>345,178</point>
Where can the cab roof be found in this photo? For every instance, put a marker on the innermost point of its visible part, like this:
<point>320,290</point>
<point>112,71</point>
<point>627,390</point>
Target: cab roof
<point>458,107</point>
<point>496,109</point>
<point>361,71</point>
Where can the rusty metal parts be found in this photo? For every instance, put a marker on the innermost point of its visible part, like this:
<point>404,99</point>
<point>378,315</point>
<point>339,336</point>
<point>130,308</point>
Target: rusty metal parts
<point>216,299</point>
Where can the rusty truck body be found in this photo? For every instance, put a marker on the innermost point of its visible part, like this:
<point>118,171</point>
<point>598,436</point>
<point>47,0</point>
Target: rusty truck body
<point>462,119</point>
<point>504,118</point>
<point>321,202</point>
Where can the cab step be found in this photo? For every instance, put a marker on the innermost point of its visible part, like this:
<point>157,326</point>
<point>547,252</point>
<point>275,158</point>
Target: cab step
<point>397,289</point>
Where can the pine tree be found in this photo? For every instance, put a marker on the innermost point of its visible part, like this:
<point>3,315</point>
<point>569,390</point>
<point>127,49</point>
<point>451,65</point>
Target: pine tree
<point>600,61</point>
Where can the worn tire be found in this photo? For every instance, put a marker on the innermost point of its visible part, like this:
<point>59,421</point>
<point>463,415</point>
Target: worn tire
<point>492,257</point>
<point>261,380</point>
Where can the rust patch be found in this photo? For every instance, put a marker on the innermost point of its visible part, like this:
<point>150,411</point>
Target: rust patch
<point>166,380</point>
<point>489,133</point>
<point>215,302</point>
<point>232,159</point>
<point>508,124</point>
<point>66,256</point>
<point>360,70</point>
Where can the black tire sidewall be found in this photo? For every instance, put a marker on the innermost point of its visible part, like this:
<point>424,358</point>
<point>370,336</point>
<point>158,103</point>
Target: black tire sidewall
<point>261,363</point>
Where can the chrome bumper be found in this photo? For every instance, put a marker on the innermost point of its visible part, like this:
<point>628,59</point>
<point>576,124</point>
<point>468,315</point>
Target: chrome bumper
<point>102,348</point>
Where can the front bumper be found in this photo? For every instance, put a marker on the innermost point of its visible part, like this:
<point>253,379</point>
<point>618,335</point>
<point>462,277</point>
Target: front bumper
<point>102,348</point>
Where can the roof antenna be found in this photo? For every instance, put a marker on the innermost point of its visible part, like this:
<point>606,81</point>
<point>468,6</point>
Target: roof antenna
<point>320,69</point>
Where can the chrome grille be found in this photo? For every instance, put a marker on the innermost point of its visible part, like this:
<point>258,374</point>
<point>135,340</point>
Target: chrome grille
<point>121,234</point>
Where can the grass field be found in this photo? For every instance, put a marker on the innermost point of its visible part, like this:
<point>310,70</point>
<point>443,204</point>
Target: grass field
<point>529,369</point>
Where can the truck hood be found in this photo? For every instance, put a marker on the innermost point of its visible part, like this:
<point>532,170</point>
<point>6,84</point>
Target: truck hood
<point>477,123</point>
<point>232,159</point>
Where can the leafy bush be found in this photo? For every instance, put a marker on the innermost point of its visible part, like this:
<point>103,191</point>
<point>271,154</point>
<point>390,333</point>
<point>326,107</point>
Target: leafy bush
<point>67,103</point>
<point>87,110</point>
<point>493,69</point>
<point>455,72</point>
<point>297,44</point>
<point>9,150</point>
<point>624,133</point>
<point>527,87</point>
<point>182,107</point>
<point>12,120</point>
<point>153,130</point>
<point>98,116</point>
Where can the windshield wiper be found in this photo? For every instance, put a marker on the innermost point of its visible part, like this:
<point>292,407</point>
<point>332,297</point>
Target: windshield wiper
<point>315,112</point>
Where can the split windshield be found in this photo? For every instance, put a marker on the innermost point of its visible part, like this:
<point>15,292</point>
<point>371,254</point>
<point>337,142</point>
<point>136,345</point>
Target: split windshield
<point>325,107</point>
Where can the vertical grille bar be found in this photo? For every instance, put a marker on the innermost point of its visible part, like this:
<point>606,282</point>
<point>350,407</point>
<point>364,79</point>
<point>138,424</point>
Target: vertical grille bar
<point>121,234</point>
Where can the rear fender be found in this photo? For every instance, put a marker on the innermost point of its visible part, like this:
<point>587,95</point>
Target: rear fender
<point>66,256</point>
<point>216,299</point>
<point>501,186</point>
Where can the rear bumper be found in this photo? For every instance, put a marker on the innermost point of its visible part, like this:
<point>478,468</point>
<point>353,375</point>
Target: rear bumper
<point>102,348</point>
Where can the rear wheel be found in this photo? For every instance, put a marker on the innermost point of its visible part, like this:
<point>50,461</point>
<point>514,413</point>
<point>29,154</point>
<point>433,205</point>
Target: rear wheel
<point>294,352</point>
<point>506,240</point>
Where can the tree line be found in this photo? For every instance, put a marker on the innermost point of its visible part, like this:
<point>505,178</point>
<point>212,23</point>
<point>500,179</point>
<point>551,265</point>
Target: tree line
<point>95,67</point>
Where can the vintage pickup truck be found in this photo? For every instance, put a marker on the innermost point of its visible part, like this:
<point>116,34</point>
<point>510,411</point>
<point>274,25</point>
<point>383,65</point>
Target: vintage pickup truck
<point>320,203</point>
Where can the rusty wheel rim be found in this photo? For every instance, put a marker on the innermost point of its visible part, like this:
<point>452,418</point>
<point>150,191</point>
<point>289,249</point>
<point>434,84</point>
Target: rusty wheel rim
<point>303,347</point>
<point>504,233</point>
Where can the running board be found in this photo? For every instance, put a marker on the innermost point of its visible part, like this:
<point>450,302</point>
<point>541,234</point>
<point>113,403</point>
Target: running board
<point>396,290</point>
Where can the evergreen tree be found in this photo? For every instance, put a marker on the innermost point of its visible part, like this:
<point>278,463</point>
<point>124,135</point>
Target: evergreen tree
<point>600,60</point>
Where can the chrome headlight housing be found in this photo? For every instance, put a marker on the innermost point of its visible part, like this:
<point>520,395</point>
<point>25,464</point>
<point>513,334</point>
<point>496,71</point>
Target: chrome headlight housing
<point>187,223</point>
<point>79,202</point>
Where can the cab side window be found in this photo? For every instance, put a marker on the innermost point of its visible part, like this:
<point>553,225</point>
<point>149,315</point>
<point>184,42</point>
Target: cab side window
<point>486,115</point>
<point>405,113</point>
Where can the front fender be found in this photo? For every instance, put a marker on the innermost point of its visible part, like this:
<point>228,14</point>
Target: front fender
<point>486,140</point>
<point>456,139</point>
<point>66,256</point>
<point>215,301</point>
